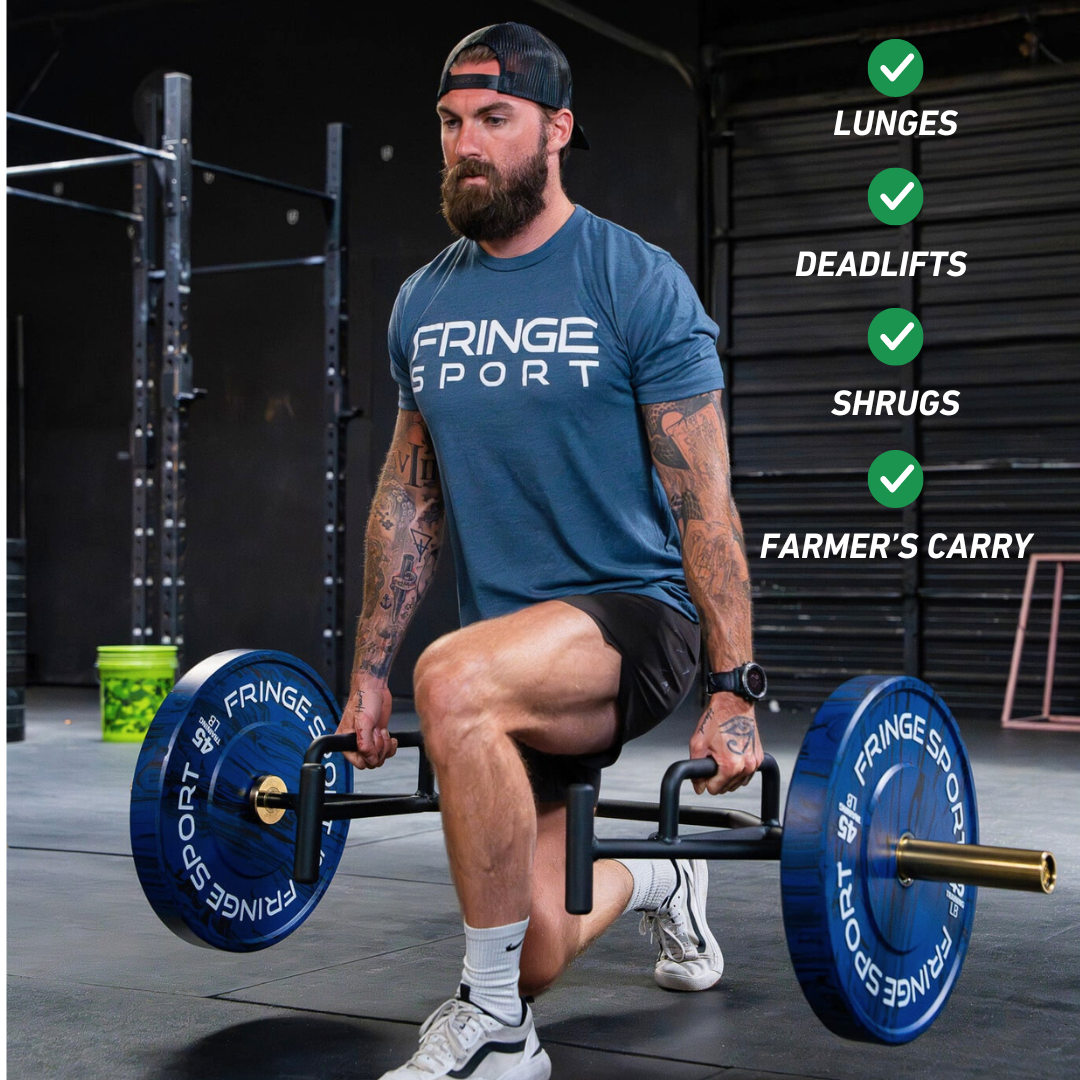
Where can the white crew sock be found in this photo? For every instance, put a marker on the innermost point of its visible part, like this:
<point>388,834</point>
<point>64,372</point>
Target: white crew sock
<point>654,882</point>
<point>492,968</point>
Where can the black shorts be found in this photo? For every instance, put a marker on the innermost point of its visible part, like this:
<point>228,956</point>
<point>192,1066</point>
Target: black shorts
<point>659,648</point>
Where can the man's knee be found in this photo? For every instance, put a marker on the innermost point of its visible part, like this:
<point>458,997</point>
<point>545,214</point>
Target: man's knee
<point>450,689</point>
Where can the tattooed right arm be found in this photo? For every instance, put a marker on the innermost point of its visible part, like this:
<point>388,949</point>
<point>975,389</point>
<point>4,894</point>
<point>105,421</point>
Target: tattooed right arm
<point>404,535</point>
<point>402,544</point>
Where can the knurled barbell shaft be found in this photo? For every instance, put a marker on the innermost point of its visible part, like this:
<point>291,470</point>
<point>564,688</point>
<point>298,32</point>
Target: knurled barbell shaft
<point>974,864</point>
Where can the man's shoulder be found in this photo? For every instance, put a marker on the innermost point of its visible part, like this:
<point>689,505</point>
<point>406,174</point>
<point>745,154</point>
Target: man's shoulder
<point>429,276</point>
<point>626,251</point>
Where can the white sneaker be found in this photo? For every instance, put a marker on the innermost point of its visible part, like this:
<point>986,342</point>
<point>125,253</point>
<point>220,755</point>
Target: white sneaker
<point>690,958</point>
<point>460,1039</point>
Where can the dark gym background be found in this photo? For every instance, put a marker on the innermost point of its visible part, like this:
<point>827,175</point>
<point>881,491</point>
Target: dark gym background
<point>98,987</point>
<point>267,79</point>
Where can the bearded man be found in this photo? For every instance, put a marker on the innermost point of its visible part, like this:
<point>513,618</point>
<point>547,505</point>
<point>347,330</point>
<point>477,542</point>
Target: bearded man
<point>559,417</point>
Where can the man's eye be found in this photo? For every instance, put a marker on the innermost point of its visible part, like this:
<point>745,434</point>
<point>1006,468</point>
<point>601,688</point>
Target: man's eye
<point>497,120</point>
<point>448,123</point>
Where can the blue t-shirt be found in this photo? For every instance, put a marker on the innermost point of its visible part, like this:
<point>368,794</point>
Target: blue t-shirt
<point>529,373</point>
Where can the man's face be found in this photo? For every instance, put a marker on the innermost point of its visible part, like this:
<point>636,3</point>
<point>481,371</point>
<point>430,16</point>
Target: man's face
<point>495,149</point>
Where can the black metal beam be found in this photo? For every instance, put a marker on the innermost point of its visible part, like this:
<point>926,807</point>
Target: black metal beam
<point>601,26</point>
<point>341,807</point>
<point>265,181</point>
<point>760,843</point>
<point>144,151</point>
<point>37,196</point>
<point>688,815</point>
<point>176,385</point>
<point>48,167</point>
<point>269,264</point>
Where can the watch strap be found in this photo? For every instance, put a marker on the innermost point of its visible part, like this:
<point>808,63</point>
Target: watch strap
<point>720,681</point>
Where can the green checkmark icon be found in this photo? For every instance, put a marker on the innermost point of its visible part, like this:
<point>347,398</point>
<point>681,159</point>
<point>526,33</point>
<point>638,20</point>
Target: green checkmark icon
<point>895,196</point>
<point>895,336</point>
<point>895,67</point>
<point>895,478</point>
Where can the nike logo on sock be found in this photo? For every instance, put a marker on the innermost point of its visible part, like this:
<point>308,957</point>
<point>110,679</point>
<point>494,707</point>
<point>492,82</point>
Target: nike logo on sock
<point>511,948</point>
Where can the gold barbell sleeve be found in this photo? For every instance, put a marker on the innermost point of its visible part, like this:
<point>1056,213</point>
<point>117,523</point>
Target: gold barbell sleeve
<point>974,864</point>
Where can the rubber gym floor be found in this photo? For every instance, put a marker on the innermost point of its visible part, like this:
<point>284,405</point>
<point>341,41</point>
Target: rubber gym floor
<point>98,987</point>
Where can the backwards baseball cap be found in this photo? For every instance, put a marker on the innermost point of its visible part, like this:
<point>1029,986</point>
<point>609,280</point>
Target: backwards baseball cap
<point>531,66</point>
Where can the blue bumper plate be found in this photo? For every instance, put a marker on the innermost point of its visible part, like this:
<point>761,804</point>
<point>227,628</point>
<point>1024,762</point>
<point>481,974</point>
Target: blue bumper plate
<point>213,872</point>
<point>876,959</point>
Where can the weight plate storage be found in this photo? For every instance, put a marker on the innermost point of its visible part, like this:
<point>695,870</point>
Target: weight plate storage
<point>213,872</point>
<point>876,958</point>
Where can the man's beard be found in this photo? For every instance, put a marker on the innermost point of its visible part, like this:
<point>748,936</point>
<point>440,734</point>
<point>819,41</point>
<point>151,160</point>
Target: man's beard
<point>503,206</point>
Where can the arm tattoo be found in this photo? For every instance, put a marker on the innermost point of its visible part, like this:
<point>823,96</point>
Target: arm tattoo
<point>375,564</point>
<point>404,537</point>
<point>689,450</point>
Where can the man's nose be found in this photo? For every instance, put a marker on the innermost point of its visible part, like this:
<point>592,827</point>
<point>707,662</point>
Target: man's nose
<point>468,144</point>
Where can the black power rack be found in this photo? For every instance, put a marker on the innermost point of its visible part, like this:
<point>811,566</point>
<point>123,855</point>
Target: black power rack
<point>159,225</point>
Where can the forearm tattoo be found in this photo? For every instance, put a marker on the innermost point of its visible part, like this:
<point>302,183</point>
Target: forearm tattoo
<point>689,450</point>
<point>402,545</point>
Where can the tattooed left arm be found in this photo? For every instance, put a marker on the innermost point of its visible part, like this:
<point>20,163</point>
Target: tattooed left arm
<point>689,452</point>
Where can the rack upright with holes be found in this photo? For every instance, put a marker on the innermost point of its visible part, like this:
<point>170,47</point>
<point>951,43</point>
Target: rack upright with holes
<point>146,364</point>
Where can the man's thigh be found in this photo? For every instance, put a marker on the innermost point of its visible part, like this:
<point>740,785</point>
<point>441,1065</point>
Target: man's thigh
<point>545,672</point>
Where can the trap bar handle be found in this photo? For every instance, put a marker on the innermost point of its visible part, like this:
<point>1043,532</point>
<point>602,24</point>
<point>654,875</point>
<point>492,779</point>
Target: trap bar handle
<point>311,796</point>
<point>582,847</point>
<point>704,769</point>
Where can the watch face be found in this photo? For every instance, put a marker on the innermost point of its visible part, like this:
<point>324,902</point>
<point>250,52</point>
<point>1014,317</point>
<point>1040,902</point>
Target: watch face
<point>754,676</point>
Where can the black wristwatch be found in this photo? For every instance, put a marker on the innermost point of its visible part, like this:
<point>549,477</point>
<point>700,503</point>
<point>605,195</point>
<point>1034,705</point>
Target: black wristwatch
<point>748,681</point>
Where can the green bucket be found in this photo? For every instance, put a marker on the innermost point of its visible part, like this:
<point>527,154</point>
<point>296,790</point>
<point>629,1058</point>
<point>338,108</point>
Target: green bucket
<point>134,681</point>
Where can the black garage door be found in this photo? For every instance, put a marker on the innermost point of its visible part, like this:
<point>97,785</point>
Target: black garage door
<point>1005,189</point>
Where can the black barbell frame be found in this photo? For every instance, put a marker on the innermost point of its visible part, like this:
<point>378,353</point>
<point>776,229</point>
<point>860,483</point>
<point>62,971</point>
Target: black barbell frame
<point>312,804</point>
<point>740,836</point>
